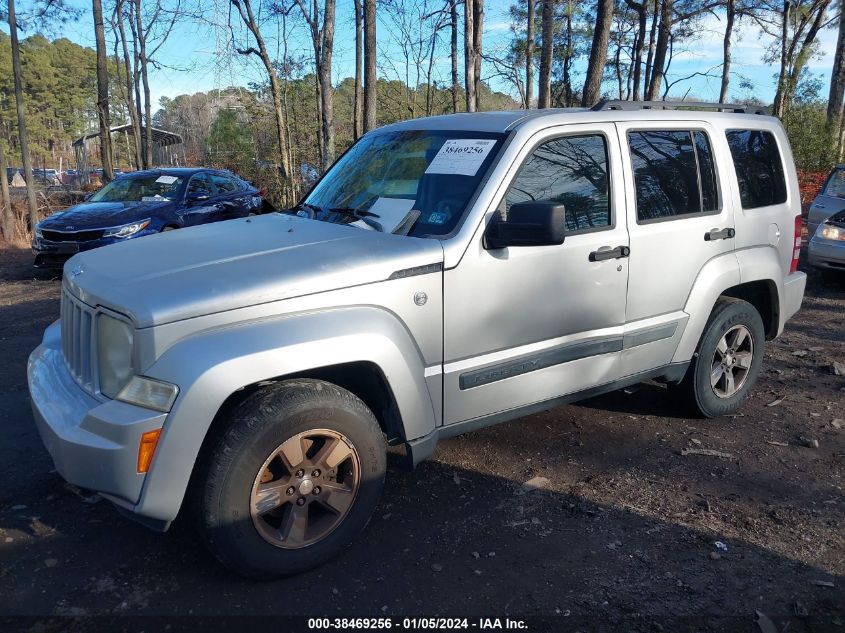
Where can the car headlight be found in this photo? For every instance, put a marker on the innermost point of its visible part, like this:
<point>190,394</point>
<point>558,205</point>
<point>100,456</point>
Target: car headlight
<point>127,230</point>
<point>114,354</point>
<point>830,232</point>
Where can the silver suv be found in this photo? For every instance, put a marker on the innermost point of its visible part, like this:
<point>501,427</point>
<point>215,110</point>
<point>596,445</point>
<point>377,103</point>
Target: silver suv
<point>446,274</point>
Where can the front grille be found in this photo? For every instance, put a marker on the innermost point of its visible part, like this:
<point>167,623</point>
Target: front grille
<point>78,322</point>
<point>76,236</point>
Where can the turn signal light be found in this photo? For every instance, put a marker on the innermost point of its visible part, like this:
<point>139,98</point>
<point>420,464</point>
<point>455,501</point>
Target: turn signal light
<point>146,449</point>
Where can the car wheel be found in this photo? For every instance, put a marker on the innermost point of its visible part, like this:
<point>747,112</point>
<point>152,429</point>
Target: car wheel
<point>728,360</point>
<point>293,478</point>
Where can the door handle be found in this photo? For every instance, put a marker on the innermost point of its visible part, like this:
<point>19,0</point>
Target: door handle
<point>719,234</point>
<point>605,252</point>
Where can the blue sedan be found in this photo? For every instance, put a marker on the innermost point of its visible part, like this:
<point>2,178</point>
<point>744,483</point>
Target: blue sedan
<point>143,203</point>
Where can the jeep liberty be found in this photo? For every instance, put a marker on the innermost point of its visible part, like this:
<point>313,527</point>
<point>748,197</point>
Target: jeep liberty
<point>446,274</point>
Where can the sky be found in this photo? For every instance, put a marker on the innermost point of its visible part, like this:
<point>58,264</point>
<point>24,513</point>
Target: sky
<point>190,59</point>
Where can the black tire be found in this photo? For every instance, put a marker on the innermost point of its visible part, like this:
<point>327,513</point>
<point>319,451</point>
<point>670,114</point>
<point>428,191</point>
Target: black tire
<point>696,390</point>
<point>237,455</point>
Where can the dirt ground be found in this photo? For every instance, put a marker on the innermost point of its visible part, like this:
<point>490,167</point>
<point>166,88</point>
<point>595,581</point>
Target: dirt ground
<point>625,532</point>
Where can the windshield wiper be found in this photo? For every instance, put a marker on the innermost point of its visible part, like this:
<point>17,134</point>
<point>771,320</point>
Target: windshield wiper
<point>304,205</point>
<point>360,214</point>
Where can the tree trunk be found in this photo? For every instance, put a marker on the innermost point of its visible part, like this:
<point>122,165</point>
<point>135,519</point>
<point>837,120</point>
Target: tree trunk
<point>130,101</point>
<point>469,56</point>
<point>142,63</point>
<point>477,29</point>
<point>837,82</point>
<point>456,87</point>
<point>652,36</point>
<point>780,94</point>
<point>359,94</point>
<point>730,15</point>
<point>547,28</point>
<point>370,78</point>
<point>326,88</point>
<point>136,84</point>
<point>598,53</point>
<point>23,136</point>
<point>660,51</point>
<point>639,44</point>
<point>103,92</point>
<point>529,55</point>
<point>5,200</point>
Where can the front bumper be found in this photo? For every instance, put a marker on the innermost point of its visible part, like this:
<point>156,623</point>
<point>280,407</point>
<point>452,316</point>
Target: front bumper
<point>93,443</point>
<point>824,253</point>
<point>50,254</point>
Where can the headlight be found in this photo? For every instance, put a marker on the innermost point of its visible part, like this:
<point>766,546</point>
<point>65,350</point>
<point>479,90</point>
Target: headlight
<point>114,354</point>
<point>830,232</point>
<point>149,393</point>
<point>127,230</point>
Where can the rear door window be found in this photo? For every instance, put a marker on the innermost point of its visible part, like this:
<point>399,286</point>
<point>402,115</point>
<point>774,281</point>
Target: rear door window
<point>759,168</point>
<point>224,184</point>
<point>674,174</point>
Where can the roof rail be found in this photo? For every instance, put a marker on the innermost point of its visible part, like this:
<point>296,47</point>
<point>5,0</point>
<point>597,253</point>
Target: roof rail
<point>619,104</point>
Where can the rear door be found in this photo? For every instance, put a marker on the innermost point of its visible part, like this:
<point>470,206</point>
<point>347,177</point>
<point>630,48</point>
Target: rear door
<point>201,211</point>
<point>678,220</point>
<point>231,199</point>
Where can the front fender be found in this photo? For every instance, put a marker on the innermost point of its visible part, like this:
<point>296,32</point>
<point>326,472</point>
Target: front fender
<point>210,366</point>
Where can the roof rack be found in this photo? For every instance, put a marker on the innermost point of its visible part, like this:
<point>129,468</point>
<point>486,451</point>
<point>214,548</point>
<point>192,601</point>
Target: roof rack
<point>619,104</point>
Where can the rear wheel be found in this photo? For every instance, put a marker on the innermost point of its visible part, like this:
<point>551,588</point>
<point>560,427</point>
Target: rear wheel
<point>292,480</point>
<point>727,363</point>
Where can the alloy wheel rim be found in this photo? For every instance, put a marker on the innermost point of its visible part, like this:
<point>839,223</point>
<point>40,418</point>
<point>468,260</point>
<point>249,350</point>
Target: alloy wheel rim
<point>731,362</point>
<point>305,488</point>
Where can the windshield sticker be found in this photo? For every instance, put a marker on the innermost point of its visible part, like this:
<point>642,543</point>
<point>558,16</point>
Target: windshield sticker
<point>167,180</point>
<point>461,156</point>
<point>437,218</point>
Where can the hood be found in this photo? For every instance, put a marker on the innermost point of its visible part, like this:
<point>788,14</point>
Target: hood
<point>226,265</point>
<point>100,215</point>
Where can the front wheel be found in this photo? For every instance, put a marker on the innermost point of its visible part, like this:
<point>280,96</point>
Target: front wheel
<point>292,480</point>
<point>728,360</point>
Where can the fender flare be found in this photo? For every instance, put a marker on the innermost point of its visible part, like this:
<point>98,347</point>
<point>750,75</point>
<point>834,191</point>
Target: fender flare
<point>210,366</point>
<point>716,276</point>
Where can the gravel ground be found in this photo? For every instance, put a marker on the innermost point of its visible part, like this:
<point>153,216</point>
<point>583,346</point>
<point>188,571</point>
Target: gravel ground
<point>624,531</point>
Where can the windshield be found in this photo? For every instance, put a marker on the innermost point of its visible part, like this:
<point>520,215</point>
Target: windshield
<point>384,177</point>
<point>145,188</point>
<point>836,184</point>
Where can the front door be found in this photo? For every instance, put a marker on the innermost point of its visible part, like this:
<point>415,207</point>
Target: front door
<point>523,325</point>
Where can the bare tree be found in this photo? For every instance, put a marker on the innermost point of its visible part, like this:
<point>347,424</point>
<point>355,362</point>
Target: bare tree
<point>247,16</point>
<point>837,85</point>
<point>529,55</point>
<point>128,96</point>
<point>322,41</point>
<point>547,27</point>
<point>598,53</point>
<point>23,136</point>
<point>358,105</point>
<point>103,92</point>
<point>370,77</point>
<point>469,56</point>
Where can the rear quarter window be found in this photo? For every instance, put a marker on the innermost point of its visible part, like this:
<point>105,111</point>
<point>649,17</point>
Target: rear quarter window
<point>759,168</point>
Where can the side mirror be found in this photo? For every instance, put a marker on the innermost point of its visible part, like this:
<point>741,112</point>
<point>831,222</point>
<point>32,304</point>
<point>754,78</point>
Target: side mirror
<point>200,195</point>
<point>535,223</point>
